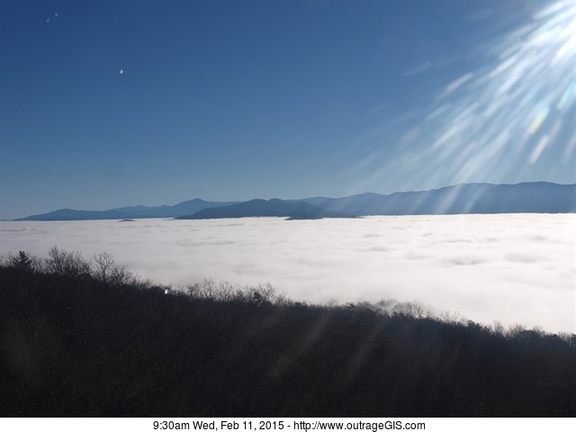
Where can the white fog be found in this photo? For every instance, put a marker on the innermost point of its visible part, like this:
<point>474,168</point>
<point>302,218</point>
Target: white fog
<point>510,268</point>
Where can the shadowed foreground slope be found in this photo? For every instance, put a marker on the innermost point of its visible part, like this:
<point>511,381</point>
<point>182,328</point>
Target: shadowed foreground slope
<point>81,338</point>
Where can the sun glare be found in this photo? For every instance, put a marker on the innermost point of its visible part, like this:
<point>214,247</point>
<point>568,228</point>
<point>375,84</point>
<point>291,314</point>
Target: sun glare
<point>512,110</point>
<point>502,119</point>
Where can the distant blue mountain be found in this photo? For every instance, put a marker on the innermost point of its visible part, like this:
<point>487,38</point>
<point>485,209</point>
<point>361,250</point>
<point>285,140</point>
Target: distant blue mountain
<point>538,197</point>
<point>166,211</point>
<point>136,212</point>
<point>275,207</point>
<point>70,214</point>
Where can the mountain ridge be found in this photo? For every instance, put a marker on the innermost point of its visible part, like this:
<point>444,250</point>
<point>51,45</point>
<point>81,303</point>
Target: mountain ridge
<point>463,198</point>
<point>293,210</point>
<point>131,212</point>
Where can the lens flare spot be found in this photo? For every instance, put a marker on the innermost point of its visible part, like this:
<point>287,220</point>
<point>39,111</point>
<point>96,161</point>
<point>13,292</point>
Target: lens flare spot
<point>458,83</point>
<point>411,162</point>
<point>539,149</point>
<point>539,119</point>
<point>569,151</point>
<point>567,97</point>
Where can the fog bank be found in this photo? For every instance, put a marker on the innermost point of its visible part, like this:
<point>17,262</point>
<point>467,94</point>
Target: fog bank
<point>512,268</point>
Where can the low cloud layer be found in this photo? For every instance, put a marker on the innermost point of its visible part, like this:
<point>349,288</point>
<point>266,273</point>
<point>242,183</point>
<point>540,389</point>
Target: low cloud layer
<point>517,268</point>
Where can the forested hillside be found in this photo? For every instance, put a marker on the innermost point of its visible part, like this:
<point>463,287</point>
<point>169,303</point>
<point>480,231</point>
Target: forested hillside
<point>87,338</point>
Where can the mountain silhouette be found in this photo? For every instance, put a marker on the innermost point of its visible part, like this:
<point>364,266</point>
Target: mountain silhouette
<point>275,207</point>
<point>134,212</point>
<point>480,198</point>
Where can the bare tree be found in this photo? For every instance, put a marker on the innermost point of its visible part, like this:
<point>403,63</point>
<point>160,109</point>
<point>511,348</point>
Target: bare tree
<point>107,271</point>
<point>66,263</point>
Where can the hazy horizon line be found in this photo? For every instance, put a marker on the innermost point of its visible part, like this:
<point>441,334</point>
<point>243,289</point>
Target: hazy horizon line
<point>234,201</point>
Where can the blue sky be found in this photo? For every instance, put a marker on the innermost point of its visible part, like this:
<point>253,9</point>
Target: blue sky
<point>111,103</point>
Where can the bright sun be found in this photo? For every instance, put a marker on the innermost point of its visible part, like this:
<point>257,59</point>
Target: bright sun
<point>502,118</point>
